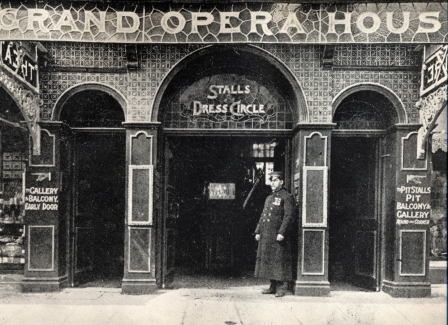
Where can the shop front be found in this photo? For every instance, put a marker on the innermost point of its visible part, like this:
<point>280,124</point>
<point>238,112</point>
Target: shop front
<point>156,143</point>
<point>18,117</point>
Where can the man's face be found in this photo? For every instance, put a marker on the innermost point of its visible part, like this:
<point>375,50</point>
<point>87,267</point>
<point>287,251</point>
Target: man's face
<point>276,183</point>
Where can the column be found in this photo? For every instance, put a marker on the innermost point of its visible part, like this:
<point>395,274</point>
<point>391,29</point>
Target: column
<point>311,157</point>
<point>45,219</point>
<point>407,217</point>
<point>142,205</point>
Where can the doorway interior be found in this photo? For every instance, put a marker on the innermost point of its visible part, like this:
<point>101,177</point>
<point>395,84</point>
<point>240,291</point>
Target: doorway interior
<point>97,176</point>
<point>100,209</point>
<point>355,185</point>
<point>209,180</point>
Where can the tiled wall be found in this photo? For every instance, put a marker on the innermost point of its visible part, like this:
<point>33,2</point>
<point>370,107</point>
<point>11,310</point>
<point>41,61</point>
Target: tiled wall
<point>319,86</point>
<point>322,86</point>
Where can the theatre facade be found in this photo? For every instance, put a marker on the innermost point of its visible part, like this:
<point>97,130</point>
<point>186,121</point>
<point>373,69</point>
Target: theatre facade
<point>137,140</point>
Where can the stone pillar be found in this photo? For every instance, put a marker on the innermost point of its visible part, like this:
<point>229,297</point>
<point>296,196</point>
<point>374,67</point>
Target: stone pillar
<point>311,161</point>
<point>407,217</point>
<point>46,229</point>
<point>141,208</point>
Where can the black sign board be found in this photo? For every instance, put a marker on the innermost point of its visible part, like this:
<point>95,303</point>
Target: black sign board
<point>434,71</point>
<point>19,62</point>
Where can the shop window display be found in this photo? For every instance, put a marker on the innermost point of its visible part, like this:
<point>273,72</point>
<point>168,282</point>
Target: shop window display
<point>13,158</point>
<point>438,207</point>
<point>12,205</point>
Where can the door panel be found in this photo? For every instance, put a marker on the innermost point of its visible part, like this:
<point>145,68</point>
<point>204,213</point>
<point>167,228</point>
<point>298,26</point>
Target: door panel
<point>97,236</point>
<point>354,215</point>
<point>170,215</point>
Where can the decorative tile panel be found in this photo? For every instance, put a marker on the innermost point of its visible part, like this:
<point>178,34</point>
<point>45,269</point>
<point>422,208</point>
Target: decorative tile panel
<point>86,55</point>
<point>375,55</point>
<point>156,61</point>
<point>321,86</point>
<point>54,84</point>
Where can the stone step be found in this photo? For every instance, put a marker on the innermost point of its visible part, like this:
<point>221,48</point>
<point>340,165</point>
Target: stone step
<point>11,282</point>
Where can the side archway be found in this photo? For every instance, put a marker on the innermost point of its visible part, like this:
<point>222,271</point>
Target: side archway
<point>384,93</point>
<point>90,87</point>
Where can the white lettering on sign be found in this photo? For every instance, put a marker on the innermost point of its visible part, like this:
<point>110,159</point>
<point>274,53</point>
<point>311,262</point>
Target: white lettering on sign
<point>416,205</point>
<point>128,17</point>
<point>435,71</point>
<point>414,190</point>
<point>236,108</point>
<point>81,23</point>
<point>19,62</point>
<point>216,90</point>
<point>42,198</point>
<point>31,206</point>
<point>412,214</point>
<point>43,190</point>
<point>412,222</point>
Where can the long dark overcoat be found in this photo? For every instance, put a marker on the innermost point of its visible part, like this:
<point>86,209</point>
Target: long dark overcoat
<point>274,258</point>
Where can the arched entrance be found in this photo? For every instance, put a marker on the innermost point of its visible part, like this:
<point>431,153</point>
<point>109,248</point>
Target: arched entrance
<point>228,114</point>
<point>97,172</point>
<point>363,117</point>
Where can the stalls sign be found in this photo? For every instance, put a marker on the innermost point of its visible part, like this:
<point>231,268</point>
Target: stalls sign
<point>265,22</point>
<point>229,97</point>
<point>237,109</point>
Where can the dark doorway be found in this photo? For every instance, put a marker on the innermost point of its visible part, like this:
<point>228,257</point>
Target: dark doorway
<point>353,212</point>
<point>216,236</point>
<point>98,176</point>
<point>100,207</point>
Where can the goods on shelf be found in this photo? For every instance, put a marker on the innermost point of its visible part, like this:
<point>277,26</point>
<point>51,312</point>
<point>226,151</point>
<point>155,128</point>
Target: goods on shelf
<point>12,209</point>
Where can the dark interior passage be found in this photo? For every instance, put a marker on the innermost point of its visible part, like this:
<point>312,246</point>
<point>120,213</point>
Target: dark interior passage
<point>352,222</point>
<point>99,220</point>
<point>216,235</point>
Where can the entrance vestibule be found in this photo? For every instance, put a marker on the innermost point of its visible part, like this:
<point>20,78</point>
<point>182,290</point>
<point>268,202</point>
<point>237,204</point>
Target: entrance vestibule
<point>215,236</point>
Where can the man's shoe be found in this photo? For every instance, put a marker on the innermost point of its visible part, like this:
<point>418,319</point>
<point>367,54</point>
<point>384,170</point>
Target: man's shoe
<point>268,292</point>
<point>279,294</point>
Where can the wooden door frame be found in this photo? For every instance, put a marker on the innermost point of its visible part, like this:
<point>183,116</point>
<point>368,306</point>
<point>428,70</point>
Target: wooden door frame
<point>379,194</point>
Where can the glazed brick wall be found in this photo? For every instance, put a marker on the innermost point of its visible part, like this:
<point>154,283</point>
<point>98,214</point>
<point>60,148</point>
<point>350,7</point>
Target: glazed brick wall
<point>320,86</point>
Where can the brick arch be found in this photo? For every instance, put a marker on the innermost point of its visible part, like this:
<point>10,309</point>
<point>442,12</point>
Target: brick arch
<point>296,98</point>
<point>87,86</point>
<point>377,88</point>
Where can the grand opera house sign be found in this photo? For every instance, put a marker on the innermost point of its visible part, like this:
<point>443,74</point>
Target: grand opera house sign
<point>267,23</point>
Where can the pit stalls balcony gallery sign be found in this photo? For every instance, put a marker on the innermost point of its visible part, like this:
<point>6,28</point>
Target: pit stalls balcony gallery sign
<point>224,23</point>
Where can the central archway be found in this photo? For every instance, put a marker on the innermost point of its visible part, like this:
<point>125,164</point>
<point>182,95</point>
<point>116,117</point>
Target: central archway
<point>240,60</point>
<point>217,108</point>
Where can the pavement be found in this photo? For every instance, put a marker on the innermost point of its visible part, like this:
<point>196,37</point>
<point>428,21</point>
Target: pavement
<point>242,305</point>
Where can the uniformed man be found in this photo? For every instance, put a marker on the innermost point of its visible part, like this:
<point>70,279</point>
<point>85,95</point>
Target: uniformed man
<point>274,256</point>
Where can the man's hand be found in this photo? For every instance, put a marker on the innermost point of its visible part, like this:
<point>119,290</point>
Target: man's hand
<point>280,237</point>
<point>257,237</point>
